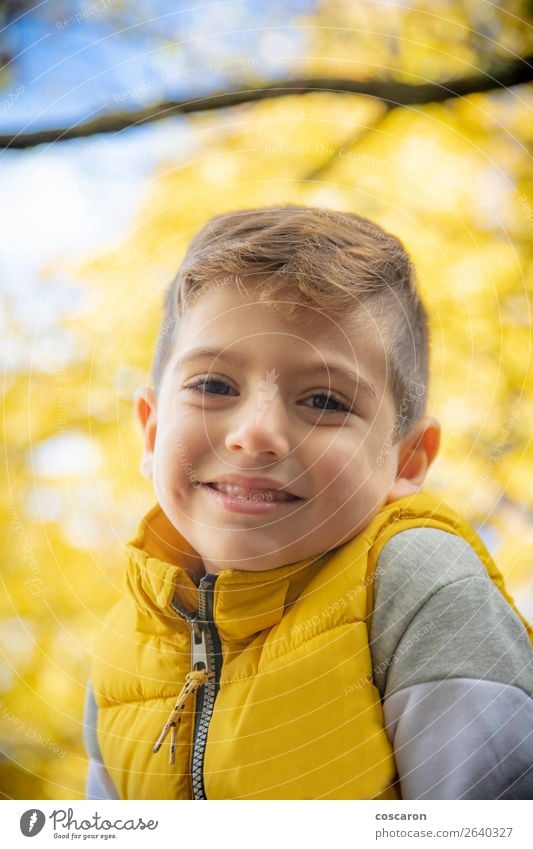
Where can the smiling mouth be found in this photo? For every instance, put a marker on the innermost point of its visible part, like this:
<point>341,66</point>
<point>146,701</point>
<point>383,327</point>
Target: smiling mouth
<point>243,494</point>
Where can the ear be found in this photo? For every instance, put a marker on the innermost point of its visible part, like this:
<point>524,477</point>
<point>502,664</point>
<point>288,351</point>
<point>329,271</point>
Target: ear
<point>145,401</point>
<point>418,449</point>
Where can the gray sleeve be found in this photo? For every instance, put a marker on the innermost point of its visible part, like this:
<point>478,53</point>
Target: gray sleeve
<point>454,667</point>
<point>462,739</point>
<point>99,784</point>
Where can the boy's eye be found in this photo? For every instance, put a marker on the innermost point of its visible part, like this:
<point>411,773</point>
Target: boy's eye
<point>212,386</point>
<point>330,399</point>
<point>204,381</point>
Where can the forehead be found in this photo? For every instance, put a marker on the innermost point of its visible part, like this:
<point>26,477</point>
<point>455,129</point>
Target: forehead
<point>234,314</point>
<point>234,321</point>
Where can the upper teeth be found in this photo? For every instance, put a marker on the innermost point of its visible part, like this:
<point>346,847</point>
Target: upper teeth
<point>232,488</point>
<point>241,491</point>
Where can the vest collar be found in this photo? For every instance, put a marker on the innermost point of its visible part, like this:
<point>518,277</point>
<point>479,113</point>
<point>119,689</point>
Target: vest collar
<point>244,602</point>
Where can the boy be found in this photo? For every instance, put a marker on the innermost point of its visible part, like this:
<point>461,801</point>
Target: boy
<point>302,620</point>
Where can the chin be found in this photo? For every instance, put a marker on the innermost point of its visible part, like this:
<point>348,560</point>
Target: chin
<point>244,560</point>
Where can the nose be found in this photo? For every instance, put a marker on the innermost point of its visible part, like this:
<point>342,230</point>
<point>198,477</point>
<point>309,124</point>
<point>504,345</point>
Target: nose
<point>259,426</point>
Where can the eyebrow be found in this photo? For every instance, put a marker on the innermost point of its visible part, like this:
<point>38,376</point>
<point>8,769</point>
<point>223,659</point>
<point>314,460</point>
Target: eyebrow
<point>311,368</point>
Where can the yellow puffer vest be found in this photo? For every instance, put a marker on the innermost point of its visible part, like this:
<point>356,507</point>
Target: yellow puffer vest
<point>287,708</point>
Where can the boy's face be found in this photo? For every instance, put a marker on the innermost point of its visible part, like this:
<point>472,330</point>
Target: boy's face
<point>263,411</point>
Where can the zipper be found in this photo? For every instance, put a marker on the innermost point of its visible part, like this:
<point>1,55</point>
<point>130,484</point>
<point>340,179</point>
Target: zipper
<point>206,650</point>
<point>203,681</point>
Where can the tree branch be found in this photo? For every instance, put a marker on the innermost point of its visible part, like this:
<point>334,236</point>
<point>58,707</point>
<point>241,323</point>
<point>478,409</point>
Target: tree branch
<point>500,75</point>
<point>349,143</point>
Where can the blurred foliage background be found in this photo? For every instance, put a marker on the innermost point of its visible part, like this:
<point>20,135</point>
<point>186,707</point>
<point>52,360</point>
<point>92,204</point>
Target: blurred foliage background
<point>206,108</point>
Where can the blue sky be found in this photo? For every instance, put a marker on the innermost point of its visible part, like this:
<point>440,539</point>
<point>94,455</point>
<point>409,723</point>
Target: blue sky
<point>73,59</point>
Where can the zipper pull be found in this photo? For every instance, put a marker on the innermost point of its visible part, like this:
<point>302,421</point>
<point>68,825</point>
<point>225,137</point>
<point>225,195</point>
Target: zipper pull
<point>193,681</point>
<point>198,646</point>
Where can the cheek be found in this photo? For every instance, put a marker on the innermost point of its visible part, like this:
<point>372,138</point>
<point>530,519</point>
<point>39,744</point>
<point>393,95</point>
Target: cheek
<point>346,470</point>
<point>180,448</point>
<point>335,472</point>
